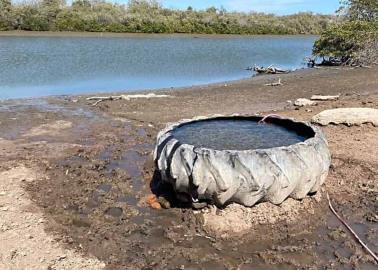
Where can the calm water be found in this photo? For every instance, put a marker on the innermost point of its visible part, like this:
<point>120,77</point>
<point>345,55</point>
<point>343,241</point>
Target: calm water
<point>235,135</point>
<point>40,66</point>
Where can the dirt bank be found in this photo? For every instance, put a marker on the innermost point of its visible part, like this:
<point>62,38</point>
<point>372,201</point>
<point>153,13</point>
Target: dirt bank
<point>74,181</point>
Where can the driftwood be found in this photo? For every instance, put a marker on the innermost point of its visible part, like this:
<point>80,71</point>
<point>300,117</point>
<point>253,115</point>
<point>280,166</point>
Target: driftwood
<point>125,97</point>
<point>311,61</point>
<point>274,83</point>
<point>301,102</point>
<point>269,70</point>
<point>327,62</point>
<point>101,99</point>
<point>322,98</point>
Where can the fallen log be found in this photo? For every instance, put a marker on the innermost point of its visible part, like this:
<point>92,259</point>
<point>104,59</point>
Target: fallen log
<point>322,98</point>
<point>269,70</point>
<point>101,99</point>
<point>126,97</point>
<point>301,102</point>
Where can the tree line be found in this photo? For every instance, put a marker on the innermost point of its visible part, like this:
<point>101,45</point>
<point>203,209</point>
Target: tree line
<point>353,38</point>
<point>148,16</point>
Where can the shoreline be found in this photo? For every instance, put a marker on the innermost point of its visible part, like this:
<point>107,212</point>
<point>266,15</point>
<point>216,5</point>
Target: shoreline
<point>23,33</point>
<point>257,81</point>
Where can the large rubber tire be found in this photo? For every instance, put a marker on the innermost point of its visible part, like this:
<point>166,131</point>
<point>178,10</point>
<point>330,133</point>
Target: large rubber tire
<point>245,177</point>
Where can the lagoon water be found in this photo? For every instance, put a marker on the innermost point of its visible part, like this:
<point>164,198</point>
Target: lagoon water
<point>41,66</point>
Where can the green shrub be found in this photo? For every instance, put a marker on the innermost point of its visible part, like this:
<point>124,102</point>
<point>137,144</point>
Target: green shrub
<point>148,16</point>
<point>350,39</point>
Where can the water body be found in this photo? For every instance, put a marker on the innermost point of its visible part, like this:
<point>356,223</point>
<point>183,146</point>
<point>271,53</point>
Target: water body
<point>221,134</point>
<point>41,66</point>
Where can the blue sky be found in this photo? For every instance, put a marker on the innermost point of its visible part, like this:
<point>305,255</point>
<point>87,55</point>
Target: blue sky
<point>268,6</point>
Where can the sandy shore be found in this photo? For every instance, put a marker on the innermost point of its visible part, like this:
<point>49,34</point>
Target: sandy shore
<point>75,177</point>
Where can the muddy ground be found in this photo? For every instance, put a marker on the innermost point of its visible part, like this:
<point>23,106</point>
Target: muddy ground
<point>74,180</point>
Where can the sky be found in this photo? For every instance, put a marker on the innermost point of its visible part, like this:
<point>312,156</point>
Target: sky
<point>280,7</point>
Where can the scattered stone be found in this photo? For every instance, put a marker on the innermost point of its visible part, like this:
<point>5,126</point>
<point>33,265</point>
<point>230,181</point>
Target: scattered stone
<point>371,217</point>
<point>62,257</point>
<point>322,98</point>
<point>199,205</point>
<point>152,200</point>
<point>156,205</point>
<point>13,253</point>
<point>2,193</point>
<point>164,203</point>
<point>337,234</point>
<point>301,102</point>
<point>347,116</point>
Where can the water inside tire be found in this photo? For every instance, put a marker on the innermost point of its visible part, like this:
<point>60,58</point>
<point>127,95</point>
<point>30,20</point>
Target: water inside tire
<point>238,134</point>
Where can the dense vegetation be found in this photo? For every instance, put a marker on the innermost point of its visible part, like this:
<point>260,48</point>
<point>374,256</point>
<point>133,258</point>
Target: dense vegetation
<point>148,16</point>
<point>353,39</point>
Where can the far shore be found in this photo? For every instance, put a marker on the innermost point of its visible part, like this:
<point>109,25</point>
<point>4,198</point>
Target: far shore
<point>21,33</point>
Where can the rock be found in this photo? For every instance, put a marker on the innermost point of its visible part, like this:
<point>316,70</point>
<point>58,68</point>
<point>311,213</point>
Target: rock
<point>13,253</point>
<point>151,199</point>
<point>322,98</point>
<point>62,257</point>
<point>155,205</point>
<point>199,205</point>
<point>300,102</point>
<point>347,116</point>
<point>164,203</point>
<point>337,234</point>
